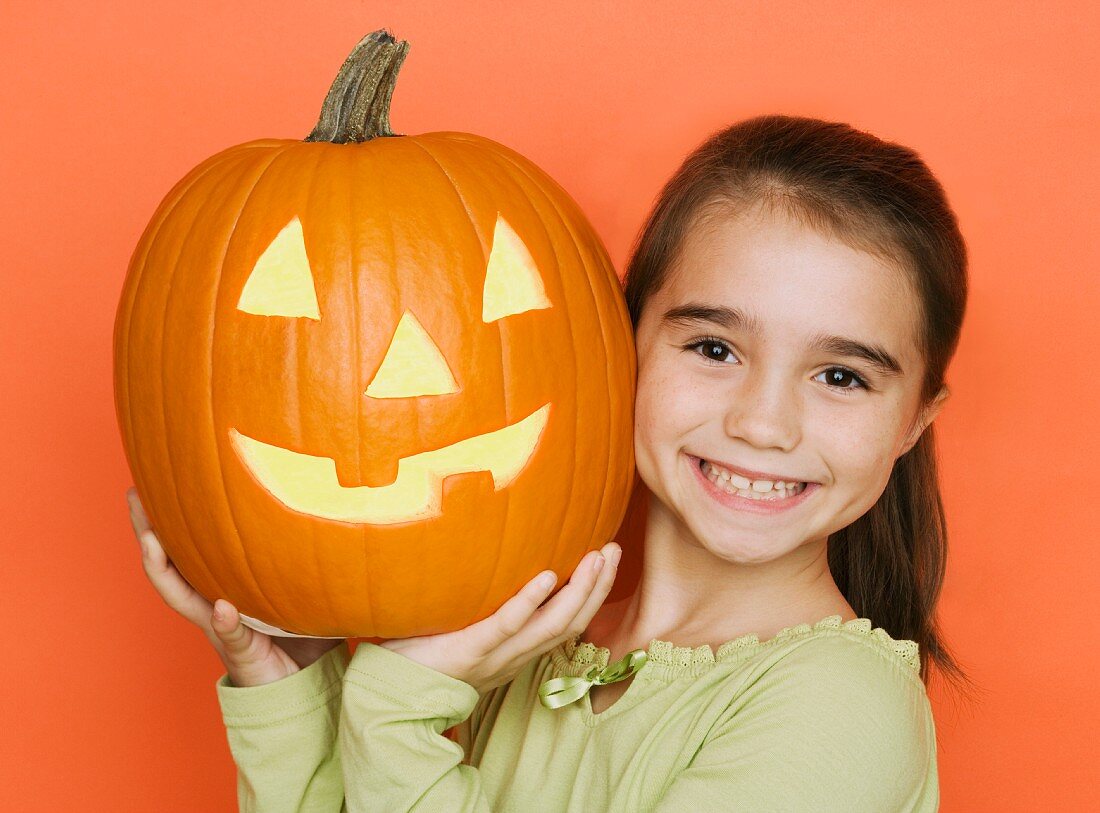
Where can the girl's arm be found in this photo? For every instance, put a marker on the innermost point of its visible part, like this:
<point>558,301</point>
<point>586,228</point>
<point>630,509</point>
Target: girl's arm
<point>394,756</point>
<point>399,697</point>
<point>283,738</point>
<point>273,694</point>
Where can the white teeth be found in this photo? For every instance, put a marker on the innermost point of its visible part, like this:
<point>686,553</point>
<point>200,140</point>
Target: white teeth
<point>739,481</point>
<point>736,484</point>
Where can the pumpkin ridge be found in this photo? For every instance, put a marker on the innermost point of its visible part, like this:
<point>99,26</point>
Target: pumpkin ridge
<point>489,583</point>
<point>322,595</point>
<point>454,185</point>
<point>274,617</point>
<point>347,175</point>
<point>564,304</point>
<point>605,498</point>
<point>162,436</point>
<point>124,323</point>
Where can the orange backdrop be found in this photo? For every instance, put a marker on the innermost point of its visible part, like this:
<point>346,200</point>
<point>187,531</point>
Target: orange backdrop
<point>108,698</point>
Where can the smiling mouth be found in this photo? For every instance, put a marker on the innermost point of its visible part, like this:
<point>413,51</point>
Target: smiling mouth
<point>733,483</point>
<point>308,484</point>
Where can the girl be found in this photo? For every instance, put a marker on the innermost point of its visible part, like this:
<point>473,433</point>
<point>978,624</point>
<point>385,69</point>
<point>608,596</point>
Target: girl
<point>796,294</point>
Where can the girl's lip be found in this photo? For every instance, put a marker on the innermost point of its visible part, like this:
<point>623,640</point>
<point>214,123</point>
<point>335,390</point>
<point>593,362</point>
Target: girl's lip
<point>747,503</point>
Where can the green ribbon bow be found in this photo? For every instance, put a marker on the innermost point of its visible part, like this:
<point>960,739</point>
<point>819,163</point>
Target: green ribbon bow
<point>565,690</point>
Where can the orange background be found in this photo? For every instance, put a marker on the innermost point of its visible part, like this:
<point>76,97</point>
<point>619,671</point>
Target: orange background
<point>108,698</point>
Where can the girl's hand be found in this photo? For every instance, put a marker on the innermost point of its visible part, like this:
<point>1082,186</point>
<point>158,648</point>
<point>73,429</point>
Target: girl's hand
<point>251,658</point>
<point>493,651</point>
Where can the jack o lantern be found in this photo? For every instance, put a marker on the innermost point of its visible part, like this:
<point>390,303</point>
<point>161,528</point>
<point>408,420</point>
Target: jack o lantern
<point>370,384</point>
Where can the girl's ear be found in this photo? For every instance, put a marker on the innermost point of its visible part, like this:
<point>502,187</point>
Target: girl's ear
<point>927,415</point>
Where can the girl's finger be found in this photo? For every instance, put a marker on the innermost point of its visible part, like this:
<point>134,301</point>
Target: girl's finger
<point>226,622</point>
<point>551,622</point>
<point>137,512</point>
<point>513,615</point>
<point>587,588</point>
<point>604,582</point>
<point>172,587</point>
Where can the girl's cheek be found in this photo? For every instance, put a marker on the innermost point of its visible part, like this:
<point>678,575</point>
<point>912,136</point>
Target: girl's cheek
<point>857,450</point>
<point>672,399</point>
<point>643,421</point>
<point>657,397</point>
<point>652,417</point>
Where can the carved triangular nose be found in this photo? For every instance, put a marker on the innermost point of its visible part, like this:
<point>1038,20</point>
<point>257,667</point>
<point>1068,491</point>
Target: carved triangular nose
<point>413,365</point>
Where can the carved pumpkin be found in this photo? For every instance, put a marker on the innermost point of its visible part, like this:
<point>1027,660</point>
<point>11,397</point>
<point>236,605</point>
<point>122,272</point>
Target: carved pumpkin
<point>369,385</point>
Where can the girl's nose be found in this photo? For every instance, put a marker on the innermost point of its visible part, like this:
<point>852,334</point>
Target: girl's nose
<point>764,412</point>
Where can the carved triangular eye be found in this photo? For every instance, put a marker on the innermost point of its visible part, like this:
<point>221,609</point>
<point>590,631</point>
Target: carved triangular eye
<point>512,281</point>
<point>413,365</point>
<point>281,283</point>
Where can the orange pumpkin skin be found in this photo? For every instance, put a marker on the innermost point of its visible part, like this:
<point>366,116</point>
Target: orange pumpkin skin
<point>390,225</point>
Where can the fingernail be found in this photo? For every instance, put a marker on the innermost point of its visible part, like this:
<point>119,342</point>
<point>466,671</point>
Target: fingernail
<point>548,580</point>
<point>597,565</point>
<point>616,555</point>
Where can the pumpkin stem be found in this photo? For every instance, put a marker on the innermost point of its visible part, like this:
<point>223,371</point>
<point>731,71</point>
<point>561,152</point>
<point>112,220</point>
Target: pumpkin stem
<point>357,107</point>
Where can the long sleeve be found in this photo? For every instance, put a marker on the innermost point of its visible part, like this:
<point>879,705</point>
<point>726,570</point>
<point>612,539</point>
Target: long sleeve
<point>847,732</point>
<point>282,736</point>
<point>393,752</point>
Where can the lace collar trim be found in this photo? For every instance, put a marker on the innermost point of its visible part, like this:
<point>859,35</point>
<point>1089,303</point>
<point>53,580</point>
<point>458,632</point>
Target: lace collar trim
<point>575,657</point>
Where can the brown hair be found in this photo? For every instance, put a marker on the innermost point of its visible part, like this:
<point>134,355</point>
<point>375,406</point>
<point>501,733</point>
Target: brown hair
<point>882,198</point>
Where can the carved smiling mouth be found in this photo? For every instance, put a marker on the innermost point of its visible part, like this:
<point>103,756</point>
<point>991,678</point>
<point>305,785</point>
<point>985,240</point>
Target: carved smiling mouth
<point>308,484</point>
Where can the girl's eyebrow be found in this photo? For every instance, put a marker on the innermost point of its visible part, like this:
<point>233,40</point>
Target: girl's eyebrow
<point>876,356</point>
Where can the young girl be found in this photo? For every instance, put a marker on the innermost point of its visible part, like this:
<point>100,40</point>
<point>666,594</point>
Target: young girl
<point>797,294</point>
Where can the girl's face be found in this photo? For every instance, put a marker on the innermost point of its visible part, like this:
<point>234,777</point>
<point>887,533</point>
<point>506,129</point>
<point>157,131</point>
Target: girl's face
<point>769,351</point>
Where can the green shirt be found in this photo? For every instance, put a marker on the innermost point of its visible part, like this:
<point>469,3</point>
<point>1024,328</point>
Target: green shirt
<point>828,717</point>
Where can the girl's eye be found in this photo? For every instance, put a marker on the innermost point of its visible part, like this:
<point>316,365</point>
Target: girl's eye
<point>836,376</point>
<point>839,378</point>
<point>711,349</point>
